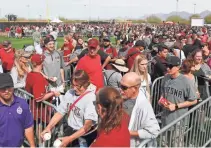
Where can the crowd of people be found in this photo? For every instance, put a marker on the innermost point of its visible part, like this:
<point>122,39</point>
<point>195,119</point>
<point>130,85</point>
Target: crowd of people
<point>105,87</point>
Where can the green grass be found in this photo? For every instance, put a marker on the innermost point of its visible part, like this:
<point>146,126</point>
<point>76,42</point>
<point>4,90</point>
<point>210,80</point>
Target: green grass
<point>19,43</point>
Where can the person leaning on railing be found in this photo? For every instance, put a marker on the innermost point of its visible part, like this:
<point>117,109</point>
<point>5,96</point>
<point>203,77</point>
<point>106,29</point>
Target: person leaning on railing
<point>78,104</point>
<point>36,84</point>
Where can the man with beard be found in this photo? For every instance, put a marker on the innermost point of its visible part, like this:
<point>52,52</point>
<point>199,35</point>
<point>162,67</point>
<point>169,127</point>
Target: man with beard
<point>16,118</point>
<point>107,48</point>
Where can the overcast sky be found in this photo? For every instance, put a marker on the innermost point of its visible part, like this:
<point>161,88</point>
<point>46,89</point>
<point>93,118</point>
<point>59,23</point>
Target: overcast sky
<point>83,9</point>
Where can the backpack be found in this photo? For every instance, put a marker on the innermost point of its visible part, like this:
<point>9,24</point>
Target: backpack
<point>107,79</point>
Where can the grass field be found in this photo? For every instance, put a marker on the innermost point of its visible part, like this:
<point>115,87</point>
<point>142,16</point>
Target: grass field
<point>19,43</point>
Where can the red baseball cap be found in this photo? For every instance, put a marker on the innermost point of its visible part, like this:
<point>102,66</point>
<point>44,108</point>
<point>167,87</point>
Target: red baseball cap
<point>93,43</point>
<point>37,59</point>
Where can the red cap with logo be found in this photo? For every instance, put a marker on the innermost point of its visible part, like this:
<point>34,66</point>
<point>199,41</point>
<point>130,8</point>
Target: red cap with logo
<point>93,43</point>
<point>37,59</point>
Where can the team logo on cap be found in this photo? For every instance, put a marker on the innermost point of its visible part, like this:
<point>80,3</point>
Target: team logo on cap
<point>19,110</point>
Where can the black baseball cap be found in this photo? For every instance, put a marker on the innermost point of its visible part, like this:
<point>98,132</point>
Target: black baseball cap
<point>140,43</point>
<point>6,80</point>
<point>48,39</point>
<point>173,60</point>
<point>106,39</point>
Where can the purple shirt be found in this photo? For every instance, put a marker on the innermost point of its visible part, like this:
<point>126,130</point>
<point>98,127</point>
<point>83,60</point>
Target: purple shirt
<point>14,120</point>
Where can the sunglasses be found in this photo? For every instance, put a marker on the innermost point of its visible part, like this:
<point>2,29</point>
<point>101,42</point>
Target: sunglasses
<point>170,66</point>
<point>123,87</point>
<point>6,89</point>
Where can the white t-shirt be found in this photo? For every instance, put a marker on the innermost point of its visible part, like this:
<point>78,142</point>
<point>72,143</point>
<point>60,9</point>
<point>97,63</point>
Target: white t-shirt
<point>144,85</point>
<point>84,109</point>
<point>180,54</point>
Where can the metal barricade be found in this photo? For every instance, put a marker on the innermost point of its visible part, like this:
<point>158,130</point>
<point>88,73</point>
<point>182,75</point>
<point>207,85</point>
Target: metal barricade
<point>155,95</point>
<point>42,113</point>
<point>193,129</point>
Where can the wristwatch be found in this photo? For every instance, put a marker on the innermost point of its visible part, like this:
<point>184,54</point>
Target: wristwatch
<point>176,106</point>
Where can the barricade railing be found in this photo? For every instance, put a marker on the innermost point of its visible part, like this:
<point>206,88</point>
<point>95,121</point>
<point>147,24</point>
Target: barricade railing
<point>192,129</point>
<point>42,113</point>
<point>155,95</point>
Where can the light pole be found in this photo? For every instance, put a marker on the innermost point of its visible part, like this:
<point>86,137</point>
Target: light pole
<point>85,7</point>
<point>28,6</point>
<point>194,7</point>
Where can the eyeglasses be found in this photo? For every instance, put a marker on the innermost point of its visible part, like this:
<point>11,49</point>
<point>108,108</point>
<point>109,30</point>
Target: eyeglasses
<point>77,86</point>
<point>123,87</point>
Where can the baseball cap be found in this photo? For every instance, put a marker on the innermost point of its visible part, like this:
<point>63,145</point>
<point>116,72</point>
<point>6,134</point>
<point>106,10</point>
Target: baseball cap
<point>48,39</point>
<point>106,39</point>
<point>93,43</point>
<point>6,80</point>
<point>174,61</point>
<point>6,43</point>
<point>21,53</point>
<point>37,59</point>
<point>140,43</point>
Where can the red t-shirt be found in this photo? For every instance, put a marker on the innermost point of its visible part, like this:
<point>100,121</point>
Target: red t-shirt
<point>19,30</point>
<point>37,85</point>
<point>67,50</point>
<point>7,59</point>
<point>131,55</point>
<point>7,29</point>
<point>92,66</point>
<point>118,137</point>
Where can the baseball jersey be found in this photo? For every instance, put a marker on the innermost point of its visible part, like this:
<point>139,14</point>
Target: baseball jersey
<point>176,90</point>
<point>84,109</point>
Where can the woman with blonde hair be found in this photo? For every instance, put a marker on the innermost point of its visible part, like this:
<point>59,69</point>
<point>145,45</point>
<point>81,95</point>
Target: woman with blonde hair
<point>21,68</point>
<point>140,67</point>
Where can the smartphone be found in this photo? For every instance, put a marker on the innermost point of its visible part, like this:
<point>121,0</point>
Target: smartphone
<point>163,101</point>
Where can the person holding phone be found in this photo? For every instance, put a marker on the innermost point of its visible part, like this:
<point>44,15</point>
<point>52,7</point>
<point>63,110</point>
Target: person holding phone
<point>177,95</point>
